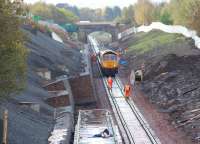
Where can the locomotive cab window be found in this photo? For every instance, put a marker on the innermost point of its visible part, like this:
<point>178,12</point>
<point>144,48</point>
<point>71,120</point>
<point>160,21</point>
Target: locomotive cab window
<point>109,57</point>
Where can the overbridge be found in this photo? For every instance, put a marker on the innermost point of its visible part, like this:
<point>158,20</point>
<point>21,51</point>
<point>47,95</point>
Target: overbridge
<point>85,28</point>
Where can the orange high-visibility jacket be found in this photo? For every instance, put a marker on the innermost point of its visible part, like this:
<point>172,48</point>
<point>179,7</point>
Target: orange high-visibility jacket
<point>110,81</point>
<point>127,90</point>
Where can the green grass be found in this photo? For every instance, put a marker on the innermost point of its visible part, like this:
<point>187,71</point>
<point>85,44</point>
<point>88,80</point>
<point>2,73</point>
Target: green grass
<point>145,42</point>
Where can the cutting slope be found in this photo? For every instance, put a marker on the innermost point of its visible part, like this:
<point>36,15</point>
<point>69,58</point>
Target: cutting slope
<point>25,125</point>
<point>171,78</point>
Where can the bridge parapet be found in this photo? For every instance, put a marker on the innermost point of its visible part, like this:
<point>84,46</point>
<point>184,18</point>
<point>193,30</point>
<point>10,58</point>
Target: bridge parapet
<point>85,28</point>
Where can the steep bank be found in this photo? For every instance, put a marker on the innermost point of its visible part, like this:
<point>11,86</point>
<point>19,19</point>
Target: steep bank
<point>26,125</point>
<point>171,75</point>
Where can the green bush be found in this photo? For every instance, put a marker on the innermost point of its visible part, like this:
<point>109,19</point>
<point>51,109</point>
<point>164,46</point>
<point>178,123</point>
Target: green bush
<point>13,54</point>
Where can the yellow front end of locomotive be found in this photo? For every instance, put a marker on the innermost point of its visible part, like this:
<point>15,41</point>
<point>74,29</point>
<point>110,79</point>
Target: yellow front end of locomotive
<point>109,64</point>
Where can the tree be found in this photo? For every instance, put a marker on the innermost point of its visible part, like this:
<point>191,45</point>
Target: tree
<point>116,12</point>
<point>66,6</point>
<point>68,15</point>
<point>166,17</point>
<point>108,14</point>
<point>143,12</point>
<point>156,11</point>
<point>194,14</point>
<point>187,13</point>
<point>86,14</point>
<point>127,16</point>
<point>43,10</point>
<point>75,10</point>
<point>99,14</point>
<point>50,12</point>
<point>13,54</point>
<point>131,16</point>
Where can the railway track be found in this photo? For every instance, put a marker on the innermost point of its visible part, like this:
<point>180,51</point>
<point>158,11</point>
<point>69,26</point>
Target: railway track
<point>128,117</point>
<point>144,125</point>
<point>133,127</point>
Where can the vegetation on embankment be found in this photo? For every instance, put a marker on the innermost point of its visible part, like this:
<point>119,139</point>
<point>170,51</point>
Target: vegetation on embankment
<point>51,12</point>
<point>13,54</point>
<point>144,42</point>
<point>171,77</point>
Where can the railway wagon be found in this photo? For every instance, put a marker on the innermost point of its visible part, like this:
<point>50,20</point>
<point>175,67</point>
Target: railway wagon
<point>109,62</point>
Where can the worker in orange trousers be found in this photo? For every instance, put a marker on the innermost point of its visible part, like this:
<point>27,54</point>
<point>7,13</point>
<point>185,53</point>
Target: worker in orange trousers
<point>127,91</point>
<point>110,82</point>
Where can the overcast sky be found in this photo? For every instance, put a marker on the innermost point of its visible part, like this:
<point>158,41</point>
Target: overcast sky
<point>93,3</point>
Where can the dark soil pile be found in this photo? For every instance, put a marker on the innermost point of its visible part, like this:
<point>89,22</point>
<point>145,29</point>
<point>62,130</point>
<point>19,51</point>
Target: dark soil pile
<point>171,78</point>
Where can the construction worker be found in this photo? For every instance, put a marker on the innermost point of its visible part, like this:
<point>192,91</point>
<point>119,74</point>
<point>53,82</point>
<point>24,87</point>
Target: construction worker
<point>110,82</point>
<point>127,91</point>
<point>93,57</point>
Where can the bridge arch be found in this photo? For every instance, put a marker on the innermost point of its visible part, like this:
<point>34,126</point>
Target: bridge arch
<point>102,36</point>
<point>87,28</point>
